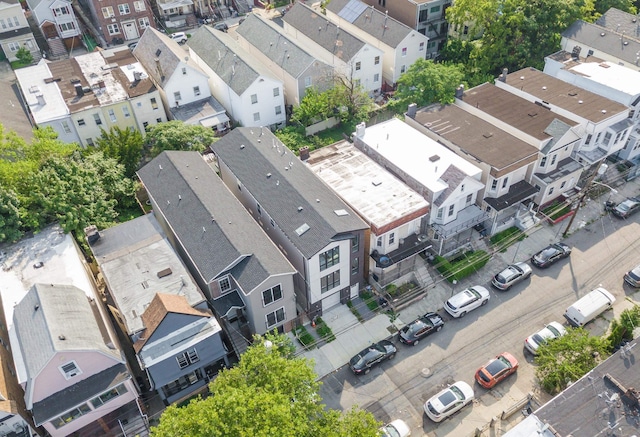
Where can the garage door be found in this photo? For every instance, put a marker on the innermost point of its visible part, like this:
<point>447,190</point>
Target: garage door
<point>331,301</point>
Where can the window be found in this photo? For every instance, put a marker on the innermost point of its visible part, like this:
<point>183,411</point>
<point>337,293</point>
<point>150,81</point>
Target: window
<point>64,27</point>
<point>462,188</point>
<point>187,358</point>
<point>184,71</point>
<point>158,120</point>
<point>276,92</point>
<point>617,140</point>
<point>465,31</point>
<point>196,90</point>
<point>553,159</point>
<point>254,99</point>
<point>607,138</point>
<point>124,9</point>
<point>551,191</point>
<point>421,47</point>
<point>145,124</point>
<point>113,29</point>
<point>105,397</point>
<point>81,122</point>
<point>403,69</point>
<point>355,266</point>
<point>256,116</point>
<point>330,281</point>
<point>329,258</point>
<point>451,210</point>
<point>177,96</point>
<point>307,81</point>
<point>3,24</point>
<point>435,9</point>
<point>70,416</point>
<point>112,115</point>
<point>16,23</point>
<point>494,185</point>
<point>70,370</point>
<point>259,209</point>
<point>543,161</point>
<point>505,182</point>
<point>65,127</point>
<point>89,141</point>
<point>125,112</point>
<point>271,295</point>
<point>588,140</point>
<point>392,238</point>
<point>358,65</point>
<point>376,77</point>
<point>356,83</point>
<point>275,317</point>
<point>382,3</point>
<point>14,46</point>
<point>154,103</point>
<point>376,60</point>
<point>107,12</point>
<point>278,110</point>
<point>139,6</point>
<point>143,22</point>
<point>422,17</point>
<point>379,242</point>
<point>97,119</point>
<point>563,184</point>
<point>175,387</point>
<point>273,223</point>
<point>404,51</point>
<point>224,284</point>
<point>598,137</point>
<point>355,244</point>
<point>469,198</point>
<point>60,11</point>
<point>439,213</point>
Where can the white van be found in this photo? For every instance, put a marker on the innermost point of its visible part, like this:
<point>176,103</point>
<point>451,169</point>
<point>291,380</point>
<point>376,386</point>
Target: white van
<point>589,307</point>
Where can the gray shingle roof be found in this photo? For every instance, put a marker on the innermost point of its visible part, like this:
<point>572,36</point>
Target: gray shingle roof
<point>374,22</point>
<point>226,58</point>
<point>54,318</point>
<point>275,45</point>
<point>286,189</point>
<point>621,22</point>
<point>211,224</point>
<point>329,36</point>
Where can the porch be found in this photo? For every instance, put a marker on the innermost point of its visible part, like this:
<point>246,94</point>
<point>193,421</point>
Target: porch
<point>448,237</point>
<point>400,262</point>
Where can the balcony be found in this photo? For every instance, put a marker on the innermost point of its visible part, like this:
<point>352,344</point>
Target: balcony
<point>466,218</point>
<point>411,245</point>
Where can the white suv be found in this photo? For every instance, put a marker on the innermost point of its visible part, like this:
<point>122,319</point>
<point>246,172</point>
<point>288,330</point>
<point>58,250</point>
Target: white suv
<point>471,298</point>
<point>179,37</point>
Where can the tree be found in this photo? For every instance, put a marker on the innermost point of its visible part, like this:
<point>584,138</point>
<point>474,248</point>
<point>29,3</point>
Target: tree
<point>123,145</point>
<point>426,82</point>
<point>313,107</point>
<point>10,222</point>
<point>176,135</point>
<point>568,358</point>
<point>348,94</point>
<point>268,393</point>
<point>24,56</point>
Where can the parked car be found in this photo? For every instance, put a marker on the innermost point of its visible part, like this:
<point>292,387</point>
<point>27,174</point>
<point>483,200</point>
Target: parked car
<point>626,208</point>
<point>471,298</point>
<point>496,370</point>
<point>374,354</point>
<point>550,332</point>
<point>397,428</point>
<point>589,306</point>
<point>412,333</point>
<point>550,255</point>
<point>632,277</point>
<point>448,401</point>
<point>511,275</point>
<point>222,27</point>
<point>179,37</point>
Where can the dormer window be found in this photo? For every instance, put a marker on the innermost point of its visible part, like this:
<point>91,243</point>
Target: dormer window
<point>70,369</point>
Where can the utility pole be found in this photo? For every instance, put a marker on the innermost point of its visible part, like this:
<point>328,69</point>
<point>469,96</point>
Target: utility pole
<point>585,191</point>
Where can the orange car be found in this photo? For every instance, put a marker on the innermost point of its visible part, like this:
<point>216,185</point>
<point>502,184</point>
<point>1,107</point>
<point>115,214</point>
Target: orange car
<point>496,370</point>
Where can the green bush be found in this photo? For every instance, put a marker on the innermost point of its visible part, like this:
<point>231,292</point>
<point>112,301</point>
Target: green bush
<point>324,331</point>
<point>507,237</point>
<point>391,289</point>
<point>354,311</point>
<point>622,328</point>
<point>470,262</point>
<point>304,337</point>
<point>556,210</point>
<point>369,300</point>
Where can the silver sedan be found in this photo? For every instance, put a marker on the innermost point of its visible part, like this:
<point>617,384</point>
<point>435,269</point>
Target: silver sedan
<point>511,275</point>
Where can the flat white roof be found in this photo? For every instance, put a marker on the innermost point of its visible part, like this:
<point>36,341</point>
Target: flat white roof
<point>96,70</point>
<point>415,153</point>
<point>32,83</point>
<point>378,196</point>
<point>611,75</point>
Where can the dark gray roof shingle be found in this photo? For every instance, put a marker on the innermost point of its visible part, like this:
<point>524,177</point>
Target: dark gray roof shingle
<point>286,189</point>
<point>214,228</point>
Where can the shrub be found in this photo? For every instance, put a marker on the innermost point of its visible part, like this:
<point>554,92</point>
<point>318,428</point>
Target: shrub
<point>507,237</point>
<point>392,289</point>
<point>354,311</point>
<point>556,210</point>
<point>324,331</point>
<point>462,266</point>
<point>304,337</point>
<point>622,328</point>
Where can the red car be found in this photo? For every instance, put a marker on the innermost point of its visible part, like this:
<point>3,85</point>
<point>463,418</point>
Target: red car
<point>496,370</point>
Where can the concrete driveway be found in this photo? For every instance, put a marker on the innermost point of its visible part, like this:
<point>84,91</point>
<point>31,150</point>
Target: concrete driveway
<point>13,115</point>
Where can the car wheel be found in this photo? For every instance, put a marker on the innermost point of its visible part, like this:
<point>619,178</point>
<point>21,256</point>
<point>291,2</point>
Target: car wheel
<point>462,314</point>
<point>392,355</point>
<point>367,370</point>
<point>484,302</point>
<point>415,343</point>
<point>438,328</point>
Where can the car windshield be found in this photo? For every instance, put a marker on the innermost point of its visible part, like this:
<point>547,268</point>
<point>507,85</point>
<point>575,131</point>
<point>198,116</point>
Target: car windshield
<point>473,293</point>
<point>415,327</point>
<point>553,330</point>
<point>548,253</point>
<point>539,339</point>
<point>390,431</point>
<point>635,273</point>
<point>508,273</point>
<point>457,392</point>
<point>626,205</point>
<point>497,365</point>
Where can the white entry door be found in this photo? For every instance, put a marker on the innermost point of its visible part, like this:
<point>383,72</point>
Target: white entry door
<point>130,30</point>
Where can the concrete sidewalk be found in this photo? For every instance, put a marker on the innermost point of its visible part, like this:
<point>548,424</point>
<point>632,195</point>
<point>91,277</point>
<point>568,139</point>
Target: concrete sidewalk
<point>353,336</point>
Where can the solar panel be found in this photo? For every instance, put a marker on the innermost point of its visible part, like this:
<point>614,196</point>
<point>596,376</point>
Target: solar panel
<point>352,10</point>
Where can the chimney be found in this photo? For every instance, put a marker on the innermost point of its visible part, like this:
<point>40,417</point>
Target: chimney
<point>360,127</point>
<point>92,234</point>
<point>40,99</point>
<point>79,91</point>
<point>304,153</point>
<point>503,76</point>
<point>460,92</point>
<point>411,110</point>
<point>137,76</point>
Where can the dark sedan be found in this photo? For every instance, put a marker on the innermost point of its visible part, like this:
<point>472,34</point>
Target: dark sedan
<point>374,354</point>
<point>412,333</point>
<point>550,255</point>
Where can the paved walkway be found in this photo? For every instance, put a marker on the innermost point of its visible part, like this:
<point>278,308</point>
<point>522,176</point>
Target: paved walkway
<point>353,336</point>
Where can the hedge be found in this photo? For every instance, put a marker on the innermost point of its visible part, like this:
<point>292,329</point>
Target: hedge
<point>469,263</point>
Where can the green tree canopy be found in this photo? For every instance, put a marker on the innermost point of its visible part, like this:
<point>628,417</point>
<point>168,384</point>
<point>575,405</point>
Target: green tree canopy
<point>426,82</point>
<point>24,56</point>
<point>176,135</point>
<point>268,393</point>
<point>10,222</point>
<point>123,145</point>
<point>568,358</point>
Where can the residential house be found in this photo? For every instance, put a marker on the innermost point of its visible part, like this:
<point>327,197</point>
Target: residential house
<point>401,44</point>
<point>613,37</point>
<point>556,172</point>
<point>352,58</point>
<point>159,308</point>
<point>604,124</point>
<point>448,182</point>
<point>606,79</point>
<point>319,233</point>
<point>67,356</point>
<point>177,13</point>
<point>183,86</point>
<point>507,162</point>
<point>608,392</point>
<point>395,213</point>
<point>58,23</point>
<point>81,96</point>
<point>120,21</point>
<point>299,68</point>
<point>15,31</point>
<point>252,94</point>
<point>248,282</point>
<point>426,16</point>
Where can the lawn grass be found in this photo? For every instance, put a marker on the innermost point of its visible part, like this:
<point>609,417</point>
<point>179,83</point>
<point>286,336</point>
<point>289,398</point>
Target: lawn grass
<point>462,266</point>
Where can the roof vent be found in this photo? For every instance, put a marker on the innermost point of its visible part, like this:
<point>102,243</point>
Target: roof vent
<point>61,337</point>
<point>434,158</point>
<point>165,272</point>
<point>580,102</point>
<point>341,212</point>
<point>602,34</point>
<point>36,307</point>
<point>532,114</point>
<point>38,265</point>
<point>300,209</point>
<point>268,175</point>
<point>573,93</point>
<point>241,146</point>
<point>488,134</point>
<point>604,111</point>
<point>544,88</point>
<point>376,182</point>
